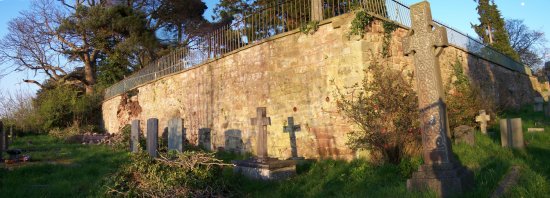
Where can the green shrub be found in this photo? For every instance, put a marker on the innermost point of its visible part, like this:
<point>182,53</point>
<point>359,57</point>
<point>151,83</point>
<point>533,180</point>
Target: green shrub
<point>187,174</point>
<point>384,108</point>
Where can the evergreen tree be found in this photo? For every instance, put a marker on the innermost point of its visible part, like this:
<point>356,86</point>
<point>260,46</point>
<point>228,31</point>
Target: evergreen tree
<point>492,28</point>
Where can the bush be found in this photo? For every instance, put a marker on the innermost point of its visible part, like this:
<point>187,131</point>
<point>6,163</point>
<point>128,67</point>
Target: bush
<point>464,100</point>
<point>187,174</point>
<point>385,109</point>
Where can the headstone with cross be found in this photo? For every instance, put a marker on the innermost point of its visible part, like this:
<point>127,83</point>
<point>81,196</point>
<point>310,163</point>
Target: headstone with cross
<point>483,118</point>
<point>425,42</point>
<point>291,129</point>
<point>260,122</point>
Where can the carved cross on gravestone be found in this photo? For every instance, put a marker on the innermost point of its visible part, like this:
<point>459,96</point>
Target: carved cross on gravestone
<point>291,129</point>
<point>261,122</point>
<point>440,172</point>
<point>483,118</point>
<point>425,42</point>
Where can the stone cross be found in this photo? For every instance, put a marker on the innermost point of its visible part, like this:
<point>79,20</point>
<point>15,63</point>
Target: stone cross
<point>176,134</point>
<point>291,129</point>
<point>425,42</point>
<point>261,122</point>
<point>152,136</point>
<point>134,136</point>
<point>483,118</point>
<point>440,172</point>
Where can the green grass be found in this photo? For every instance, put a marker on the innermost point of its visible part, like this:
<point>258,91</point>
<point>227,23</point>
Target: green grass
<point>74,170</point>
<point>57,169</point>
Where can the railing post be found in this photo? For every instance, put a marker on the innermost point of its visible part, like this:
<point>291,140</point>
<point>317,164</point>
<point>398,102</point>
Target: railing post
<point>316,10</point>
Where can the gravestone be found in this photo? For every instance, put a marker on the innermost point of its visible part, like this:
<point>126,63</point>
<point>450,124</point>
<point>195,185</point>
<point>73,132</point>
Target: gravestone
<point>205,138</point>
<point>547,110</point>
<point>134,136</point>
<point>5,140</point>
<point>539,102</point>
<point>262,167</point>
<point>1,142</point>
<point>483,118</point>
<point>152,136</point>
<point>511,133</point>
<point>464,134</point>
<point>440,172</point>
<point>176,134</point>
<point>233,140</point>
<point>291,129</point>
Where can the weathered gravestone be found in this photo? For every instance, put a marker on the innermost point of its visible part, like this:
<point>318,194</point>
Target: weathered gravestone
<point>539,102</point>
<point>511,133</point>
<point>205,138</point>
<point>152,136</point>
<point>233,140</point>
<point>134,136</point>
<point>547,110</point>
<point>176,134</point>
<point>440,171</point>
<point>263,167</point>
<point>1,143</point>
<point>464,134</point>
<point>291,129</point>
<point>5,139</point>
<point>483,118</point>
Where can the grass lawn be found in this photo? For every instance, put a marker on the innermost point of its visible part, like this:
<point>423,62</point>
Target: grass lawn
<point>57,169</point>
<point>73,170</point>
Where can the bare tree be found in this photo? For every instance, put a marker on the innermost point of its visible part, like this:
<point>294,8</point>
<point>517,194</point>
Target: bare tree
<point>530,44</point>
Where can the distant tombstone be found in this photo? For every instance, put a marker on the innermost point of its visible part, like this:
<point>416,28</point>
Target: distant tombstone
<point>532,130</point>
<point>176,134</point>
<point>1,142</point>
<point>152,136</point>
<point>5,139</point>
<point>134,136</point>
<point>205,138</point>
<point>464,134</point>
<point>511,133</point>
<point>291,129</point>
<point>233,140</point>
<point>547,110</point>
<point>483,118</point>
<point>504,132</point>
<point>260,122</point>
<point>539,102</point>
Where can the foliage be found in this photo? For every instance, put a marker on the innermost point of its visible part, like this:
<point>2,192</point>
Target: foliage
<point>182,18</point>
<point>187,174</point>
<point>17,111</point>
<point>65,106</point>
<point>530,44</point>
<point>309,27</point>
<point>464,100</point>
<point>492,28</point>
<point>385,109</point>
<point>389,28</point>
<point>359,24</point>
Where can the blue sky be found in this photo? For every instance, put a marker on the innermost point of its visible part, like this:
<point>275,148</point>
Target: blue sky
<point>456,13</point>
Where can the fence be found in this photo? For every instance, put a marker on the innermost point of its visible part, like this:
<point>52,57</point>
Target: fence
<point>282,16</point>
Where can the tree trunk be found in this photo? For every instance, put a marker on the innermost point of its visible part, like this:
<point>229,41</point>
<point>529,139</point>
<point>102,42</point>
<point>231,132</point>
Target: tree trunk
<point>89,75</point>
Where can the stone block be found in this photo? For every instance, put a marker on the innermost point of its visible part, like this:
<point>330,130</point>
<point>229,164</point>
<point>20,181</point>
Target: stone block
<point>464,134</point>
<point>270,169</point>
<point>135,133</point>
<point>511,133</point>
<point>152,136</point>
<point>445,181</point>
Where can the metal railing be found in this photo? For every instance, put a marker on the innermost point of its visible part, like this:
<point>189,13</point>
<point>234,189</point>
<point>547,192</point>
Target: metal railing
<point>283,16</point>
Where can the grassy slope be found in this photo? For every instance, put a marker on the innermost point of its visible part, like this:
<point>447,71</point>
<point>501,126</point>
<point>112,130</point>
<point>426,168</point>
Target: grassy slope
<point>58,170</point>
<point>72,170</point>
<point>489,161</point>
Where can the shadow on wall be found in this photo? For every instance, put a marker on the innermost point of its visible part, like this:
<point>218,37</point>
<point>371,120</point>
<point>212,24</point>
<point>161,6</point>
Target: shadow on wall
<point>326,144</point>
<point>506,87</point>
